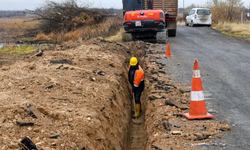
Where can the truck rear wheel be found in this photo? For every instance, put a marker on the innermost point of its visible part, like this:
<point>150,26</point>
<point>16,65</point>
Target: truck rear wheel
<point>172,33</point>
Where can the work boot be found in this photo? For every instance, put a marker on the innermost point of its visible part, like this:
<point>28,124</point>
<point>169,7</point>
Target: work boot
<point>138,110</point>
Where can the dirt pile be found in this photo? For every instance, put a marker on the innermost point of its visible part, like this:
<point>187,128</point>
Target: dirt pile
<point>80,98</point>
<point>166,126</point>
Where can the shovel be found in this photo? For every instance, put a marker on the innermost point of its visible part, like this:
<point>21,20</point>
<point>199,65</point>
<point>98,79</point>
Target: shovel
<point>134,105</point>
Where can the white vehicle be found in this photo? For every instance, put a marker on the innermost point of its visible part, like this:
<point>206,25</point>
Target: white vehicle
<point>199,16</point>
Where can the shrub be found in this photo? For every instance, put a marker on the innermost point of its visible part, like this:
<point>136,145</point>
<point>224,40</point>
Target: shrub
<point>66,16</point>
<point>107,28</point>
<point>225,10</point>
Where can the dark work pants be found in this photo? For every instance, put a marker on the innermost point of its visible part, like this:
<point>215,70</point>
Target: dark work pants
<point>137,93</point>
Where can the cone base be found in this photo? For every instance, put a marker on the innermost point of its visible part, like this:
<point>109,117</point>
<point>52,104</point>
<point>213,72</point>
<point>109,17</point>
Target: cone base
<point>168,56</point>
<point>188,116</point>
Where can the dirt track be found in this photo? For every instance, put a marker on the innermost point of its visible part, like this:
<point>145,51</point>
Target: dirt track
<point>87,103</point>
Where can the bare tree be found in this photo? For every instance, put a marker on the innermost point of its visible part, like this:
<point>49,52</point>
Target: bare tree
<point>225,10</point>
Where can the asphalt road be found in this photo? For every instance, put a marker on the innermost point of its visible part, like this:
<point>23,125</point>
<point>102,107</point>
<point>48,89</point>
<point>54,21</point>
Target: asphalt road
<point>225,73</point>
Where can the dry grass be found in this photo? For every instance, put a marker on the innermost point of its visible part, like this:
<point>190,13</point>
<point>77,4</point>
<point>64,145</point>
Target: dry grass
<point>104,29</point>
<point>42,37</point>
<point>234,28</point>
<point>15,29</point>
<point>10,24</point>
<point>118,37</point>
<point>180,22</point>
<point>238,30</point>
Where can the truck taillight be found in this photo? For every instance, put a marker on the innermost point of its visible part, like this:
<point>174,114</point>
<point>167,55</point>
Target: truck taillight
<point>156,21</point>
<point>172,19</point>
<point>195,16</point>
<point>128,22</point>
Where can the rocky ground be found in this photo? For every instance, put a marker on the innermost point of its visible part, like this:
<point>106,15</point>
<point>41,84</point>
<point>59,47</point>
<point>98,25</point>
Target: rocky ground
<point>79,98</point>
<point>166,126</point>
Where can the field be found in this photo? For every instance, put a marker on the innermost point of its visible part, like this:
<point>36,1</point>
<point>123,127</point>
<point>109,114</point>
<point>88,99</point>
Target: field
<point>9,24</point>
<point>14,29</point>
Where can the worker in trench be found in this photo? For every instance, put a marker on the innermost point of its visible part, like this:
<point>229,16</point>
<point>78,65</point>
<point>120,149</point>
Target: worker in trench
<point>136,79</point>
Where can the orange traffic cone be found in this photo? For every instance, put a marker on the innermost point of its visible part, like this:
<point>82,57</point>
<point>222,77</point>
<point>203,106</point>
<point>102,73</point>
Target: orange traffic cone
<point>197,104</point>
<point>168,53</point>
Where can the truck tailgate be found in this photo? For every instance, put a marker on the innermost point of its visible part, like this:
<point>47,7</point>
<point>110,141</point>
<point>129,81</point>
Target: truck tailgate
<point>166,5</point>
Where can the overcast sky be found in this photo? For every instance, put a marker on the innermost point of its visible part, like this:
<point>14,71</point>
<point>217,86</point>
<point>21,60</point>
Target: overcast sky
<point>32,4</point>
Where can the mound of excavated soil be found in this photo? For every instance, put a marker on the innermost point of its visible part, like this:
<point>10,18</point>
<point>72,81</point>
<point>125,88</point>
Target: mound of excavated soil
<point>79,96</point>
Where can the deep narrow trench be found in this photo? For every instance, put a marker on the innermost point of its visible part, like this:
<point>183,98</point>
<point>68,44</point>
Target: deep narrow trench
<point>137,137</point>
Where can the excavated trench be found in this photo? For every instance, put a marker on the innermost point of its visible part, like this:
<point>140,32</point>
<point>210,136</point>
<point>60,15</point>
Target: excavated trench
<point>162,124</point>
<point>90,101</point>
<point>137,135</point>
